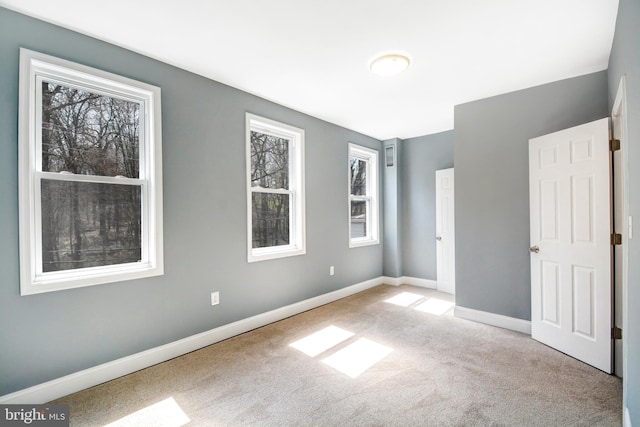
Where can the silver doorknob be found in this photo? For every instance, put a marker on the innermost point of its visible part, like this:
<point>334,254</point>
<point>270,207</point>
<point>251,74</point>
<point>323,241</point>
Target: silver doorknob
<point>534,249</point>
<point>438,238</point>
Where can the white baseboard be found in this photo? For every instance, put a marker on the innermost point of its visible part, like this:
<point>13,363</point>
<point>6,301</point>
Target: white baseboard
<point>406,280</point>
<point>627,418</point>
<point>493,319</point>
<point>394,281</point>
<point>81,380</point>
<point>423,283</point>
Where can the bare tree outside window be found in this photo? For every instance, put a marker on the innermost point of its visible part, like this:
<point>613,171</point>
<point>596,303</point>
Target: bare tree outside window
<point>358,179</point>
<point>363,196</point>
<point>270,184</point>
<point>88,224</point>
<point>275,189</point>
<point>358,175</point>
<point>90,176</point>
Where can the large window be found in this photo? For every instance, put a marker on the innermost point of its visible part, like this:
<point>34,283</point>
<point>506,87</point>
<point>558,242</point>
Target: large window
<point>90,176</point>
<point>363,196</point>
<point>275,189</point>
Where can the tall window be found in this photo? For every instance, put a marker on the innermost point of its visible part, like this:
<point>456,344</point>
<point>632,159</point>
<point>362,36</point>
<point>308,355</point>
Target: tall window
<point>90,186</point>
<point>363,196</point>
<point>275,189</point>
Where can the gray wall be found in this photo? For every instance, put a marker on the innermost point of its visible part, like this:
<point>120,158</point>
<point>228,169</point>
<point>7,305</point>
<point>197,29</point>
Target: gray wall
<point>492,185</point>
<point>49,335</point>
<point>421,158</point>
<point>392,196</point>
<point>625,60</point>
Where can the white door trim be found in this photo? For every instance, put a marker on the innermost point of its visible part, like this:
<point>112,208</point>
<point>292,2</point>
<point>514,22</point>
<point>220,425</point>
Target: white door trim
<point>620,109</point>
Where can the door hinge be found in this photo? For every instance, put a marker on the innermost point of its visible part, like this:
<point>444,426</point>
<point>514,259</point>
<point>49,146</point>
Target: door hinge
<point>616,333</point>
<point>616,239</point>
<point>614,144</point>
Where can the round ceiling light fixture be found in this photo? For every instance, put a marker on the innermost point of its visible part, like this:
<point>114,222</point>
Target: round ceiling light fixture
<point>389,64</point>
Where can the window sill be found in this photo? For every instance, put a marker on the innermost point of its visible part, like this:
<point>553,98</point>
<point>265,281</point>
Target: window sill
<point>265,254</point>
<point>363,242</point>
<point>59,281</point>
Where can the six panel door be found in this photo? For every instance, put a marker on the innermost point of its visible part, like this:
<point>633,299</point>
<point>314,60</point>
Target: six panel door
<point>570,213</point>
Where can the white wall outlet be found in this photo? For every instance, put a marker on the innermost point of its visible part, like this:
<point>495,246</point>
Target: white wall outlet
<point>331,271</point>
<point>215,298</point>
<point>630,227</point>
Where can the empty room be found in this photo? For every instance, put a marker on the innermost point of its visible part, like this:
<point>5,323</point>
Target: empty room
<point>244,213</point>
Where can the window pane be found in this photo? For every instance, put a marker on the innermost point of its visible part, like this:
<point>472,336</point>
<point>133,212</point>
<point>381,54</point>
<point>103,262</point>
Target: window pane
<point>358,176</point>
<point>270,219</point>
<point>269,161</point>
<point>359,218</point>
<point>88,224</point>
<point>89,134</point>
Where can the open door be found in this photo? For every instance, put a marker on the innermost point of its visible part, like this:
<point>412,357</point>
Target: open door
<point>570,214</point>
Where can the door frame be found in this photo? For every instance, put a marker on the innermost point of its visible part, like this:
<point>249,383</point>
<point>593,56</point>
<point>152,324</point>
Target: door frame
<point>620,109</point>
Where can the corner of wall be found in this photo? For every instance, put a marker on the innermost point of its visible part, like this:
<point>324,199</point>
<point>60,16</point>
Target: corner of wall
<point>392,207</point>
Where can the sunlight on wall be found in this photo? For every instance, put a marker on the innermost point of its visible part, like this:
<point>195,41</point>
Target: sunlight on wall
<point>166,413</point>
<point>357,357</point>
<point>321,341</point>
<point>435,306</point>
<point>405,299</point>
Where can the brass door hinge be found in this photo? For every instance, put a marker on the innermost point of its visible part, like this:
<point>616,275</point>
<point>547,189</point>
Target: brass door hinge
<point>614,144</point>
<point>616,333</point>
<point>616,239</point>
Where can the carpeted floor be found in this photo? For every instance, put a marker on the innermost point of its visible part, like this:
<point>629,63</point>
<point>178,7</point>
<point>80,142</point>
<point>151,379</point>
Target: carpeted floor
<point>425,368</point>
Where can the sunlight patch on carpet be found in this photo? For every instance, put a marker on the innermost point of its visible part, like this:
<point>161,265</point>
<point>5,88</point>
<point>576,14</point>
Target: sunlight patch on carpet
<point>435,306</point>
<point>166,413</point>
<point>321,341</point>
<point>405,299</point>
<point>356,358</point>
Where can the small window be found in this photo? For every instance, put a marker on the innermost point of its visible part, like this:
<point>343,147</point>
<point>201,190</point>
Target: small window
<point>389,155</point>
<point>275,189</point>
<point>363,196</point>
<point>90,176</point>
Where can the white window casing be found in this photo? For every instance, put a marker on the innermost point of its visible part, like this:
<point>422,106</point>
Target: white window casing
<point>36,68</point>
<point>295,191</point>
<point>367,232</point>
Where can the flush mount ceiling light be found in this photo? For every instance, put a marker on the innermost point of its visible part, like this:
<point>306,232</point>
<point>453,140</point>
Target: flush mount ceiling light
<point>389,64</point>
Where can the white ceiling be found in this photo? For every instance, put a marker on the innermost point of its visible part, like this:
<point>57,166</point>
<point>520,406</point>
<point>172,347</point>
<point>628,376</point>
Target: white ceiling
<point>313,55</point>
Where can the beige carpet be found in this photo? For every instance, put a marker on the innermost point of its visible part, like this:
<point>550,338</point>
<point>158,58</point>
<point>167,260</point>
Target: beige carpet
<point>426,369</point>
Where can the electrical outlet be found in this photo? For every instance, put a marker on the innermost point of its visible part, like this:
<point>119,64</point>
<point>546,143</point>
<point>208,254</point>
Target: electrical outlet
<point>331,271</point>
<point>630,227</point>
<point>215,298</point>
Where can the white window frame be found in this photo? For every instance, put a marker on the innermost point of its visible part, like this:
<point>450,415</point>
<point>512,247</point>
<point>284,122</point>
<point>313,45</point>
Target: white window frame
<point>296,191</point>
<point>34,67</point>
<point>372,230</point>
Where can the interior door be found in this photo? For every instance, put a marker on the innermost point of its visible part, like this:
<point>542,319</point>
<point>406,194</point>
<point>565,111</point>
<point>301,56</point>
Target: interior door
<point>570,213</point>
<point>445,231</point>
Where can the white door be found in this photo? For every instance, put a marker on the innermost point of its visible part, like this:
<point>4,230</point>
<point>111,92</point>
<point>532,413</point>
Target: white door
<point>569,188</point>
<point>445,231</point>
